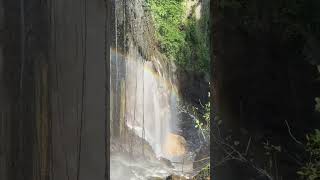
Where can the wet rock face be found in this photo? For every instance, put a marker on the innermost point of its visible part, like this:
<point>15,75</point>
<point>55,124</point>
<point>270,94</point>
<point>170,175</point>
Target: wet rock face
<point>194,86</point>
<point>136,32</point>
<point>166,162</point>
<point>135,23</point>
<point>136,145</point>
<point>175,177</point>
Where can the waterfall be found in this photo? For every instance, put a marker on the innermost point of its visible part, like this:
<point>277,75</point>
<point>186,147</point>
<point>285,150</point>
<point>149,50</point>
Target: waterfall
<point>146,106</point>
<point>150,103</point>
<point>145,131</point>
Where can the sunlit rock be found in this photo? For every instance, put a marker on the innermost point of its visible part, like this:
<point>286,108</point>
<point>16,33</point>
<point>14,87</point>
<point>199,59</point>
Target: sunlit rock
<point>175,145</point>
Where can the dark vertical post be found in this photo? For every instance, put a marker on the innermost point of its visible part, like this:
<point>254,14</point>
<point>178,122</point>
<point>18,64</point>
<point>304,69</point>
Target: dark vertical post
<point>107,48</point>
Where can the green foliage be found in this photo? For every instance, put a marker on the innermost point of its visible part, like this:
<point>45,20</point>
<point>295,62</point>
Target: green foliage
<point>197,41</point>
<point>311,170</point>
<point>203,123</point>
<point>183,40</point>
<point>167,16</point>
<point>313,145</point>
<point>204,173</point>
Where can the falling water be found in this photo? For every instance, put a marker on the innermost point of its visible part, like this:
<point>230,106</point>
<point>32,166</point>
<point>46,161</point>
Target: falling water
<point>145,104</point>
<point>145,138</point>
<point>151,104</point>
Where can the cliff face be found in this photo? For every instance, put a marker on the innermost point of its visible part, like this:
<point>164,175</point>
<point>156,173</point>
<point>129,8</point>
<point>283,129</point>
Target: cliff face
<point>136,26</point>
<point>144,84</point>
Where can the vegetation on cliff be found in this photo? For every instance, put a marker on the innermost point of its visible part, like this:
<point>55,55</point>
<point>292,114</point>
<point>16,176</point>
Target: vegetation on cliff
<point>182,37</point>
<point>310,170</point>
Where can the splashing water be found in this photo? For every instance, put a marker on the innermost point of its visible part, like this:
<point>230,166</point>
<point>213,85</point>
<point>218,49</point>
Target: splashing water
<point>149,109</point>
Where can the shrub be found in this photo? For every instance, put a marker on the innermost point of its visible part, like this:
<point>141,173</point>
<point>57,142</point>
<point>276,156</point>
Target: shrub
<point>311,170</point>
<point>184,40</point>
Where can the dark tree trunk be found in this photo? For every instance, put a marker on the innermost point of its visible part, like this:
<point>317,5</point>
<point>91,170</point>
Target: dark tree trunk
<point>54,64</point>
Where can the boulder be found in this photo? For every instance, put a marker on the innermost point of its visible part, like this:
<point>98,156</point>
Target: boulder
<point>175,145</point>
